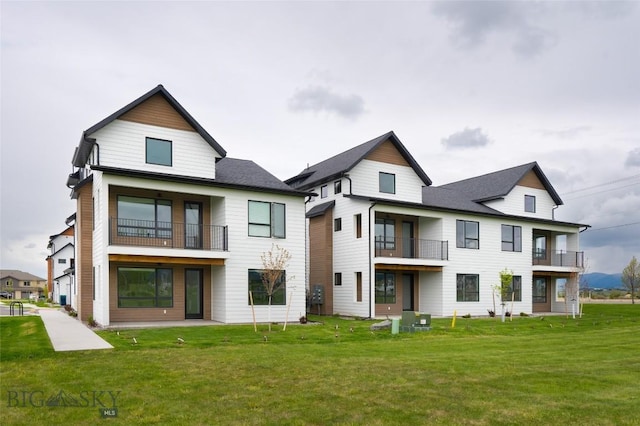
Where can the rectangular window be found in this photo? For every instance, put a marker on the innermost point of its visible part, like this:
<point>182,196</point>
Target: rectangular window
<point>145,287</point>
<point>358,286</point>
<point>540,290</point>
<point>259,292</point>
<point>385,287</point>
<point>158,151</point>
<point>387,183</point>
<point>539,247</point>
<point>337,187</point>
<point>467,234</point>
<point>511,238</point>
<point>385,234</point>
<point>62,260</point>
<point>337,278</point>
<point>358,227</point>
<point>266,219</point>
<point>324,191</point>
<point>515,289</point>
<point>144,217</point>
<point>530,203</point>
<point>467,288</point>
<point>337,224</point>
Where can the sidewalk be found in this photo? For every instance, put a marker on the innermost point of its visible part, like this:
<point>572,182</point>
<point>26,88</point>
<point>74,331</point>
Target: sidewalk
<point>69,334</point>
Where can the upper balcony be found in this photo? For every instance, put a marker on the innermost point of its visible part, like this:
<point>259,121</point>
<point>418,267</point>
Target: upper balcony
<point>562,258</point>
<point>149,233</point>
<point>412,248</point>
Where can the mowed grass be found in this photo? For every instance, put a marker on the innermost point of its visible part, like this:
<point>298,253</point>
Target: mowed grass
<point>535,371</point>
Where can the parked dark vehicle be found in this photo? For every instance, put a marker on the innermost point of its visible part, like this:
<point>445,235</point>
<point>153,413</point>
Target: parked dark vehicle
<point>6,295</point>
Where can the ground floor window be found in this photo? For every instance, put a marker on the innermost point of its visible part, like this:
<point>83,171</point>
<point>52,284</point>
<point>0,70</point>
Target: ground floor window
<point>145,288</point>
<point>467,288</point>
<point>385,287</point>
<point>515,289</point>
<point>259,291</point>
<point>540,290</point>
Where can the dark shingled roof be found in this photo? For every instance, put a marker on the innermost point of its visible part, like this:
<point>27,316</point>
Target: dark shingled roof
<point>83,150</point>
<point>320,209</point>
<point>444,198</point>
<point>498,184</point>
<point>337,165</point>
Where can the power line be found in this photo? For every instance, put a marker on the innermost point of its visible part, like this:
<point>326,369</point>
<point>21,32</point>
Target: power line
<point>600,192</point>
<point>601,184</point>
<point>612,227</point>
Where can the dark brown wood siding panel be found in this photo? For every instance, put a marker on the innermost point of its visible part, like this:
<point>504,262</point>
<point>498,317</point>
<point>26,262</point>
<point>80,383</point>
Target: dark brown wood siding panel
<point>387,153</point>
<point>156,111</point>
<point>84,262</point>
<point>174,313</point>
<point>531,180</point>
<point>321,259</point>
<point>383,309</point>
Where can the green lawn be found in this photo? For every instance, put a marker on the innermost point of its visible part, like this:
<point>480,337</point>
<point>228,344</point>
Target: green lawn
<point>482,372</point>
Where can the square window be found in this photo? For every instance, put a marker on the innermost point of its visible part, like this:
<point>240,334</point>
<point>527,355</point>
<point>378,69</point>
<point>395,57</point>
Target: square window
<point>337,224</point>
<point>530,203</point>
<point>467,234</point>
<point>337,187</point>
<point>158,151</point>
<point>387,183</point>
<point>467,288</point>
<point>258,288</point>
<point>267,219</point>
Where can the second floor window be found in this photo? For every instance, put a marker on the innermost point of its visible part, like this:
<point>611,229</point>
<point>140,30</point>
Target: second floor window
<point>324,191</point>
<point>158,151</point>
<point>511,238</point>
<point>337,224</point>
<point>266,219</point>
<point>385,234</point>
<point>337,187</point>
<point>62,260</point>
<point>467,234</point>
<point>387,183</point>
<point>144,217</point>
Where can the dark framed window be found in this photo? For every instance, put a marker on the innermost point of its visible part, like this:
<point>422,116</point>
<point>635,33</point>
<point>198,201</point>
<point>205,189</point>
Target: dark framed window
<point>385,234</point>
<point>385,287</point>
<point>358,225</point>
<point>358,286</point>
<point>158,151</point>
<point>145,287</point>
<point>259,291</point>
<point>267,219</point>
<point>62,260</point>
<point>337,224</point>
<point>324,191</point>
<point>337,187</point>
<point>387,183</point>
<point>511,238</point>
<point>467,234</point>
<point>337,278</point>
<point>539,290</point>
<point>539,246</point>
<point>530,203</point>
<point>144,217</point>
<point>467,288</point>
<point>515,289</point>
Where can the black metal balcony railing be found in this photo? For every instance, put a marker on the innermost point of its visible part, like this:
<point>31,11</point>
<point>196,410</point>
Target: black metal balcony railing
<point>149,233</point>
<point>412,248</point>
<point>558,258</point>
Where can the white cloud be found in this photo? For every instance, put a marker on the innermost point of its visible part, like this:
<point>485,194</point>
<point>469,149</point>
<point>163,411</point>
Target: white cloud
<point>633,158</point>
<point>467,138</point>
<point>322,99</point>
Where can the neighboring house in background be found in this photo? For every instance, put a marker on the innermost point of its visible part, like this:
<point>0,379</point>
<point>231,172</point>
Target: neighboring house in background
<point>60,267</point>
<point>382,240</point>
<point>22,285</point>
<point>169,228</point>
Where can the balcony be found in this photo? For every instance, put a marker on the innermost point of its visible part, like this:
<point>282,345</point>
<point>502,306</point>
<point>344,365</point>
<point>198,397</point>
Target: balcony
<point>148,233</point>
<point>571,259</point>
<point>412,248</point>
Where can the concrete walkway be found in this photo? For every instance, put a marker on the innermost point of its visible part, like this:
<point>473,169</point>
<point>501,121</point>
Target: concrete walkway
<point>69,334</point>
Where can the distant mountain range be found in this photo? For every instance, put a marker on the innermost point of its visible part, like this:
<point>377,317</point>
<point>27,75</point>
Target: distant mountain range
<point>596,280</point>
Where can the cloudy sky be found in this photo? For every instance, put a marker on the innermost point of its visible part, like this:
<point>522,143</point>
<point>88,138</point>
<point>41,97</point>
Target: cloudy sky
<point>469,88</point>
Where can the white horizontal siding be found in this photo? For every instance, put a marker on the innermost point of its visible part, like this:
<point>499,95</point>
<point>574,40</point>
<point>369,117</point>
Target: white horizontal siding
<point>513,203</point>
<point>123,143</point>
<point>365,178</point>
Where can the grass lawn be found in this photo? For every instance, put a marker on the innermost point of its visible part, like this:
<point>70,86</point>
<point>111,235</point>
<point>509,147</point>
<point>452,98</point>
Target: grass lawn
<point>534,371</point>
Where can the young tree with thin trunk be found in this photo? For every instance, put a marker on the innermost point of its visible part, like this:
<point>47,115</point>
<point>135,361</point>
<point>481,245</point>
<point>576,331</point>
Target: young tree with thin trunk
<point>631,277</point>
<point>274,264</point>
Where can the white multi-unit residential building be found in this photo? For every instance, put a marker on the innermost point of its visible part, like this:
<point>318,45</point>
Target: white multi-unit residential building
<point>170,228</point>
<point>382,240</point>
<point>60,267</point>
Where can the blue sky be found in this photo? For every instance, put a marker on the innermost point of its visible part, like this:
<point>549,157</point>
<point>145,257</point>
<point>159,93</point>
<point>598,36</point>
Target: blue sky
<point>469,88</point>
